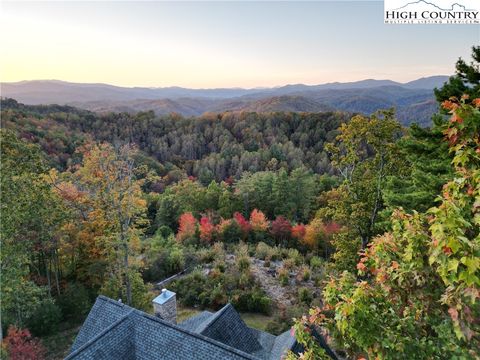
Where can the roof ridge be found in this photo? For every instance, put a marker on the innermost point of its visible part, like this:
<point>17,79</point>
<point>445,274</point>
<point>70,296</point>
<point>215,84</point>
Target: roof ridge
<point>100,334</point>
<point>216,316</point>
<point>111,301</point>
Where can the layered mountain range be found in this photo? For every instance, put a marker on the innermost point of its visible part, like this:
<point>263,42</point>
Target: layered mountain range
<point>414,101</point>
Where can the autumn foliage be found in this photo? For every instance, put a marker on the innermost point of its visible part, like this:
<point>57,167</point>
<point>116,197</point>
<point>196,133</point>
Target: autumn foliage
<point>281,228</point>
<point>416,291</point>
<point>298,231</point>
<point>206,229</point>
<point>21,345</point>
<point>242,222</point>
<point>258,221</point>
<point>187,226</point>
<point>313,234</point>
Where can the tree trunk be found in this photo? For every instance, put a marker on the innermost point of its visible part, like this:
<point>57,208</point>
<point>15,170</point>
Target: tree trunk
<point>365,241</point>
<point>127,275</point>
<point>56,265</point>
<point>49,281</point>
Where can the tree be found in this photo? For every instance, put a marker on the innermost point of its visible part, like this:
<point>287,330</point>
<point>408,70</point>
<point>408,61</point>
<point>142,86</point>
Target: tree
<point>187,226</point>
<point>243,223</point>
<point>313,234</point>
<point>31,216</point>
<point>107,181</point>
<point>418,295</point>
<point>206,229</point>
<point>427,168</point>
<point>298,232</point>
<point>258,221</point>
<point>365,153</point>
<point>466,80</point>
<point>319,235</point>
<point>427,160</point>
<point>185,196</point>
<point>281,230</point>
<point>20,345</point>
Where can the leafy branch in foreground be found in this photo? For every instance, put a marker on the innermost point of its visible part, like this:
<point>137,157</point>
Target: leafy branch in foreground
<point>417,291</point>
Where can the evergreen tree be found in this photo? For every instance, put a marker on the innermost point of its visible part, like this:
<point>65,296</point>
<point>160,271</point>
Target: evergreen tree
<point>465,81</point>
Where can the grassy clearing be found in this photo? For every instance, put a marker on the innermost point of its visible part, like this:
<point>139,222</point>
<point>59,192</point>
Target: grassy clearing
<point>256,321</point>
<point>183,313</point>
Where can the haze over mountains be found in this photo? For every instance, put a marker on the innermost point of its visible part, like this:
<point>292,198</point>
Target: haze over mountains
<point>413,100</point>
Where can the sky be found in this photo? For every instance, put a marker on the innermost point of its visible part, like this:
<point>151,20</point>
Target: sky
<point>221,44</point>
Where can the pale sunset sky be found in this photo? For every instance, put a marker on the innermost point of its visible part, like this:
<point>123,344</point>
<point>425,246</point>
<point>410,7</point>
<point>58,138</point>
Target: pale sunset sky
<point>221,44</point>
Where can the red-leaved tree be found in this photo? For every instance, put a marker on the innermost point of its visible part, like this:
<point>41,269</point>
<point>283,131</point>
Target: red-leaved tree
<point>298,231</point>
<point>206,229</point>
<point>243,223</point>
<point>281,229</point>
<point>21,345</point>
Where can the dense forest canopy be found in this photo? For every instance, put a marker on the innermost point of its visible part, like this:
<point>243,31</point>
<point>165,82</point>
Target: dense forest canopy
<point>211,147</point>
<point>374,226</point>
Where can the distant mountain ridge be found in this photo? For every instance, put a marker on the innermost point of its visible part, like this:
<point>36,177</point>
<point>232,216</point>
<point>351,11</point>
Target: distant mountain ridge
<point>365,96</point>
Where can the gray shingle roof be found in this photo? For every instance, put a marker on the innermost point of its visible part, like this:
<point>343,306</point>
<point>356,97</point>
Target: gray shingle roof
<point>228,327</point>
<point>114,330</point>
<point>196,322</point>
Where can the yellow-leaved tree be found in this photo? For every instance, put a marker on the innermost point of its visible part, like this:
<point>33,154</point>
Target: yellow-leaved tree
<point>104,239</point>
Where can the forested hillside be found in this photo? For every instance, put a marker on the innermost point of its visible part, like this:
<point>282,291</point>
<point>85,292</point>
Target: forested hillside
<point>414,100</point>
<point>216,146</point>
<point>360,229</point>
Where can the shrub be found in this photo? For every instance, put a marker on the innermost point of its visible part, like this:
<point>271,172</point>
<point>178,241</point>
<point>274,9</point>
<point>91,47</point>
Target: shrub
<point>277,326</point>
<point>318,280</point>
<point>283,320</point>
<point>305,273</point>
<point>207,255</point>
<point>190,288</point>
<point>164,231</point>
<point>275,253</point>
<point>295,256</point>
<point>262,251</point>
<point>45,319</point>
<point>283,276</point>
<point>242,258</point>
<point>218,251</point>
<point>20,345</point>
<point>230,231</point>
<point>220,265</point>
<point>316,263</point>
<point>168,261</point>
<point>253,300</point>
<point>288,264</point>
<point>305,295</point>
<point>74,302</point>
<point>218,297</point>
<point>243,263</point>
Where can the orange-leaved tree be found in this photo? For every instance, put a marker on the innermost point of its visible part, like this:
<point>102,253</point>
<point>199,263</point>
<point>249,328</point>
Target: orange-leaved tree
<point>105,193</point>
<point>258,220</point>
<point>187,226</point>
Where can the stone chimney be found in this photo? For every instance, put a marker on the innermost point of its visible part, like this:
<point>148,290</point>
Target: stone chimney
<point>165,306</point>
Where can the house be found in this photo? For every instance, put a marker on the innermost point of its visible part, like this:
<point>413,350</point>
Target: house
<point>114,330</point>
